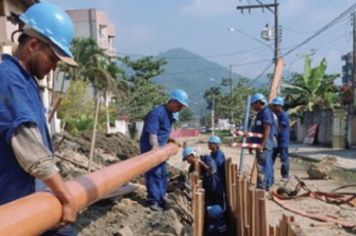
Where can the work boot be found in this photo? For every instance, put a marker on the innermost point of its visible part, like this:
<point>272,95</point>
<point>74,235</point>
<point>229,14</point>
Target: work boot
<point>155,207</point>
<point>164,205</point>
<point>284,182</point>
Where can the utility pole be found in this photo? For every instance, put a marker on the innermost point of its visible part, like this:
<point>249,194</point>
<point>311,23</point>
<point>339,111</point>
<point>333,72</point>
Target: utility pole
<point>272,7</point>
<point>354,59</point>
<point>351,107</point>
<point>213,116</point>
<point>231,95</point>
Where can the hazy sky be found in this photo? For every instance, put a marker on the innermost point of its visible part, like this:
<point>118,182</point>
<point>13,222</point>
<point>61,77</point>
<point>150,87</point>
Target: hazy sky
<point>148,27</point>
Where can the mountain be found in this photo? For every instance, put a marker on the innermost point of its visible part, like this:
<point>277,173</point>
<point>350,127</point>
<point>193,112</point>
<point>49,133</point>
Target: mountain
<point>192,73</point>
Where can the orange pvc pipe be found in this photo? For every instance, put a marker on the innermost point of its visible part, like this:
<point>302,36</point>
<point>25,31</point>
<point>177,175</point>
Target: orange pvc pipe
<point>40,211</point>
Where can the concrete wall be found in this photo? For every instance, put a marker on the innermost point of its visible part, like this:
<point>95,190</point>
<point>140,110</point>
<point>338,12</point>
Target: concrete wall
<point>324,119</point>
<point>331,131</point>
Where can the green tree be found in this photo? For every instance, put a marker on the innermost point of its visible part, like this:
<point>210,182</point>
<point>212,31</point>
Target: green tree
<point>142,92</point>
<point>77,108</point>
<point>185,115</point>
<point>97,69</point>
<point>314,89</point>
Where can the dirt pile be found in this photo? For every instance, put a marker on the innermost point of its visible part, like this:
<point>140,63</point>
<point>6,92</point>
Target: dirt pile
<point>322,169</point>
<point>128,214</point>
<point>114,144</point>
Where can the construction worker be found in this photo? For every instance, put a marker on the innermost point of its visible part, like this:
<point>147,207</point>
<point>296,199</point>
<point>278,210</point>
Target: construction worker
<point>219,158</point>
<point>215,224</point>
<point>156,131</point>
<point>263,124</point>
<point>282,137</point>
<point>25,144</point>
<point>212,182</point>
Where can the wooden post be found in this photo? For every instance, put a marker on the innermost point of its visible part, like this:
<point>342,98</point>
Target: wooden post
<point>197,167</point>
<point>233,169</point>
<point>259,194</point>
<point>247,230</point>
<point>240,203</point>
<point>264,217</point>
<point>200,212</point>
<point>278,230</point>
<point>272,230</point>
<point>284,225</point>
<point>245,201</point>
<point>228,184</point>
<point>55,108</point>
<point>252,210</point>
<point>253,178</point>
<point>92,145</point>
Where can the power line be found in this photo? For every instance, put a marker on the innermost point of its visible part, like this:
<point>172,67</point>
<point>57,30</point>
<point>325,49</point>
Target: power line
<point>313,10</point>
<point>261,74</point>
<point>327,26</point>
<point>329,32</point>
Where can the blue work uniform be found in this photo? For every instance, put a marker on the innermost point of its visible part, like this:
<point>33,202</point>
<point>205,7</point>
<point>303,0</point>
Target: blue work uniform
<point>216,227</point>
<point>213,184</point>
<point>219,159</point>
<point>264,159</point>
<point>20,103</point>
<point>158,121</point>
<point>283,143</point>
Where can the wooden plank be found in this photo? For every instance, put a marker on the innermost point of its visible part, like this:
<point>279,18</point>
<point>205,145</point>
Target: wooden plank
<point>247,230</point>
<point>197,167</point>
<point>228,184</point>
<point>233,183</point>
<point>245,201</point>
<point>253,177</point>
<point>258,196</point>
<point>240,204</point>
<point>200,213</point>
<point>278,230</point>
<point>252,210</point>
<point>272,230</point>
<point>263,217</point>
<point>284,225</point>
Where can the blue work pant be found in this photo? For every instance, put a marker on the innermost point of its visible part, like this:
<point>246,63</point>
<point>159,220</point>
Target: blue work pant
<point>283,154</point>
<point>63,231</point>
<point>156,184</point>
<point>264,163</point>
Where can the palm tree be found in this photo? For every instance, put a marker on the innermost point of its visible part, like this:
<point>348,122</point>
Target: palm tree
<point>313,89</point>
<point>97,69</point>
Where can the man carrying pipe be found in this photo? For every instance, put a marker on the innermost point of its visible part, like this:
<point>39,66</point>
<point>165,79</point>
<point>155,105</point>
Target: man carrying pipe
<point>212,182</point>
<point>219,159</point>
<point>282,137</point>
<point>25,144</point>
<point>156,131</point>
<point>263,124</point>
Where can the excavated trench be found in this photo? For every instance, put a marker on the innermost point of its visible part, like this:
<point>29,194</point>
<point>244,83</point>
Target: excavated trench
<point>125,213</point>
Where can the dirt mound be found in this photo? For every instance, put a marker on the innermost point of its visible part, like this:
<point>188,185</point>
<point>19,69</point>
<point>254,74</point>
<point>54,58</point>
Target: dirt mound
<point>322,169</point>
<point>130,217</point>
<point>124,215</point>
<point>114,144</point>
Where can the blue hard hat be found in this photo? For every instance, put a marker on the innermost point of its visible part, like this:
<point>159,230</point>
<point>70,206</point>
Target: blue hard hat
<point>215,211</point>
<point>175,116</point>
<point>180,96</point>
<point>278,101</point>
<point>186,152</point>
<point>214,139</point>
<point>53,24</point>
<point>258,97</point>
